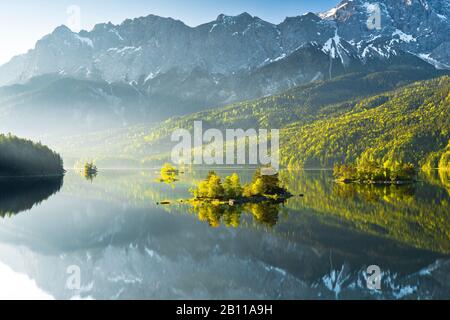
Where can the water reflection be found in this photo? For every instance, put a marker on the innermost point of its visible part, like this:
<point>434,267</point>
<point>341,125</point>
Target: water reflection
<point>374,193</point>
<point>89,175</point>
<point>215,215</point>
<point>415,215</point>
<point>316,246</point>
<point>438,178</point>
<point>21,194</point>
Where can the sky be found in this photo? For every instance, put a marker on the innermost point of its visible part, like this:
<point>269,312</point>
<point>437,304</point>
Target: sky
<point>23,22</point>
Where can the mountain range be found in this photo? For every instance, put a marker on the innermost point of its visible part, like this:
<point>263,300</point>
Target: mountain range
<point>141,49</point>
<point>150,68</point>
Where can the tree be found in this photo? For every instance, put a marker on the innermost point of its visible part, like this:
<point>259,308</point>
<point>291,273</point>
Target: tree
<point>227,188</point>
<point>258,187</point>
<point>232,187</point>
<point>169,173</point>
<point>369,170</point>
<point>202,189</point>
<point>247,190</point>
<point>24,157</point>
<point>265,184</point>
<point>90,171</point>
<point>215,188</point>
<point>211,187</point>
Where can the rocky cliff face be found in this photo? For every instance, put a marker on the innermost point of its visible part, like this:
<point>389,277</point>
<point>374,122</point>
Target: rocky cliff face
<point>383,28</point>
<point>143,48</point>
<point>151,68</point>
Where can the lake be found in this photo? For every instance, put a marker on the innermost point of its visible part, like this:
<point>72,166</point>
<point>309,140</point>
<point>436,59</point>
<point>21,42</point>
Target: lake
<point>107,238</point>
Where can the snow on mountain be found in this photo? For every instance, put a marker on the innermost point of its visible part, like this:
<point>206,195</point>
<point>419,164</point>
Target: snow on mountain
<point>139,49</point>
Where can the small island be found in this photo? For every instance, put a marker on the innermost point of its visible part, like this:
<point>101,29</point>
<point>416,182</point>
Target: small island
<point>169,174</point>
<point>263,188</point>
<point>373,172</point>
<point>90,171</point>
<point>223,202</point>
<point>24,158</point>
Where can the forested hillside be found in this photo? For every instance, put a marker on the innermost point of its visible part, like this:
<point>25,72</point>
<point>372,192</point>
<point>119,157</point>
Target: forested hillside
<point>407,124</point>
<point>19,157</point>
<point>378,114</point>
<point>302,104</point>
<point>438,159</point>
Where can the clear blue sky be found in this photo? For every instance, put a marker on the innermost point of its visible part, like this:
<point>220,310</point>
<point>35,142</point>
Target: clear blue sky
<point>23,22</point>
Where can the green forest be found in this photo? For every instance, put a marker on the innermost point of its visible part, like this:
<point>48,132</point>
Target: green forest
<point>410,124</point>
<point>20,157</point>
<point>397,116</point>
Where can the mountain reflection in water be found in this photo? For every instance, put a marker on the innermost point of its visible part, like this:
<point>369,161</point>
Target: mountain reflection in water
<point>314,247</point>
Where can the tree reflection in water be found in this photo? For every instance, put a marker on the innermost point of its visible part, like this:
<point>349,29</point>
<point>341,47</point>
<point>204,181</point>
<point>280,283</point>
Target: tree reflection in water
<point>89,175</point>
<point>21,194</point>
<point>415,214</point>
<point>216,214</point>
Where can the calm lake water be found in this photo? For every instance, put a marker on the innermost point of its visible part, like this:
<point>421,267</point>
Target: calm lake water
<point>313,247</point>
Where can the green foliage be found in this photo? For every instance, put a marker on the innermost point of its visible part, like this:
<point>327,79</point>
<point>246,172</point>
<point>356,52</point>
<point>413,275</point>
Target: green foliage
<point>370,170</point>
<point>90,167</point>
<point>215,188</point>
<point>169,173</point>
<point>210,188</point>
<point>232,187</point>
<point>300,107</point>
<point>412,214</point>
<point>258,188</point>
<point>90,170</point>
<point>261,185</point>
<point>19,157</point>
<point>339,121</point>
<point>444,162</point>
<point>215,214</point>
<point>408,126</point>
<point>438,160</point>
